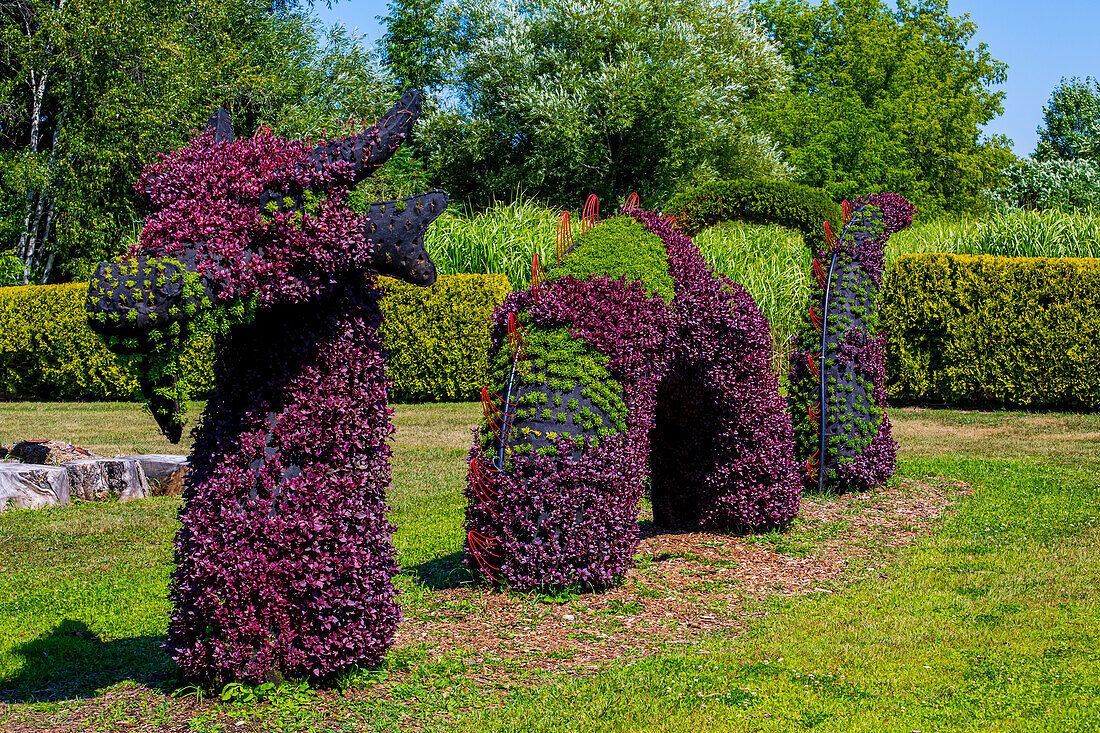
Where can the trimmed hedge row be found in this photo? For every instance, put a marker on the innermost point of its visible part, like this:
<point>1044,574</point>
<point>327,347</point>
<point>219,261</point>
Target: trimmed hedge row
<point>758,202</point>
<point>437,339</point>
<point>1021,331</point>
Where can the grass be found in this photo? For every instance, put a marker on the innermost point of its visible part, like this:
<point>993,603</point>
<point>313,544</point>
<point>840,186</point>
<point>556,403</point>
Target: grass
<point>501,239</point>
<point>990,623</point>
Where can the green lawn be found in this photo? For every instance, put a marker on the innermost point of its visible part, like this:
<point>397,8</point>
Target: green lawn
<point>990,622</point>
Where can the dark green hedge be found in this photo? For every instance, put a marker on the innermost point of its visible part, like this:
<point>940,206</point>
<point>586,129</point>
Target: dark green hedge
<point>760,202</point>
<point>1020,331</point>
<point>437,339</point>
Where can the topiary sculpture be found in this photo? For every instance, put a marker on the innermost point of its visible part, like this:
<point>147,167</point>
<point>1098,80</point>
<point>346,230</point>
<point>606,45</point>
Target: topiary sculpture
<point>633,360</point>
<point>284,561</point>
<point>837,376</point>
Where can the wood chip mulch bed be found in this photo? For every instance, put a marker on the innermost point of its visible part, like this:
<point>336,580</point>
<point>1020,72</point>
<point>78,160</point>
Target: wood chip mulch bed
<point>684,585</point>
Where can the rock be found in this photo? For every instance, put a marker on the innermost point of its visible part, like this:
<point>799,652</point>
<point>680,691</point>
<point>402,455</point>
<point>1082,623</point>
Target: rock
<point>24,486</point>
<point>171,486</point>
<point>127,479</point>
<point>158,466</point>
<point>166,472</point>
<point>47,452</point>
<point>4,450</point>
<point>101,479</point>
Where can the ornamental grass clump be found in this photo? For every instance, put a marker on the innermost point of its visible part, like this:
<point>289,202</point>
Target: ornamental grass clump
<point>837,376</point>
<point>631,360</point>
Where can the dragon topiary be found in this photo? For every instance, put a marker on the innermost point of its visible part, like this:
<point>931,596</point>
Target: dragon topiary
<point>284,560</point>
<point>632,362</point>
<point>837,375</point>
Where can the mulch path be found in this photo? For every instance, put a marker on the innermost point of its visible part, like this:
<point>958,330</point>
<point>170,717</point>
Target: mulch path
<point>686,585</point>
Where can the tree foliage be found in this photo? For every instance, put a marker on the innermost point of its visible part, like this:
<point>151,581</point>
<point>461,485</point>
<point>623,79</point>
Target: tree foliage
<point>90,91</point>
<point>409,49</point>
<point>1071,122</point>
<point>886,99</point>
<point>561,98</point>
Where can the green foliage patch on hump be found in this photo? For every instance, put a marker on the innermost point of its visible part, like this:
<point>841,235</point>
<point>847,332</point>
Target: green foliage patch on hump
<point>620,246</point>
<point>558,365</point>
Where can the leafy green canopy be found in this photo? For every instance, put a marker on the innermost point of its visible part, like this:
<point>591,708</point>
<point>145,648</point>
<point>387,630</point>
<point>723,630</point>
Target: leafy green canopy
<point>885,100</point>
<point>561,98</point>
<point>91,91</point>
<point>1071,122</point>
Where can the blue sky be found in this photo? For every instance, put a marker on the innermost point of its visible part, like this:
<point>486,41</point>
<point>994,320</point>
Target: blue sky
<point>1041,41</point>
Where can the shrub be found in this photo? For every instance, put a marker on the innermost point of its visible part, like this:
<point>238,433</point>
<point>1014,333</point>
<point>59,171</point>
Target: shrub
<point>633,318</point>
<point>981,329</point>
<point>48,352</point>
<point>437,339</point>
<point>759,202</point>
<point>1049,184</point>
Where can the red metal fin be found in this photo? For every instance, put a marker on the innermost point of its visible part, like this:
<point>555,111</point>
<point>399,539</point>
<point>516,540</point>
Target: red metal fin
<point>536,275</point>
<point>830,237</point>
<point>820,274</point>
<point>565,236</point>
<point>815,318</point>
<point>632,202</point>
<point>516,337</point>
<point>591,215</point>
<point>846,211</point>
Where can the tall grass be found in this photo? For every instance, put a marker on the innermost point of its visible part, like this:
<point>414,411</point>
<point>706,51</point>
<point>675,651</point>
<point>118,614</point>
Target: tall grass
<point>1017,234</point>
<point>774,266</point>
<point>499,240</point>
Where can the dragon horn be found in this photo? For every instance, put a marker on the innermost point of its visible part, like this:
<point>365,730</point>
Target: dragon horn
<point>368,150</point>
<point>221,123</point>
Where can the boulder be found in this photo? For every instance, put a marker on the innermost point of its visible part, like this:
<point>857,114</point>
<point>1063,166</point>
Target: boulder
<point>31,486</point>
<point>158,466</point>
<point>102,479</point>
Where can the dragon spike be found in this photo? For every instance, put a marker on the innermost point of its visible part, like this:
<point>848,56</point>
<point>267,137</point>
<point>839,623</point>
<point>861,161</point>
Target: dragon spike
<point>830,237</point>
<point>565,236</point>
<point>820,274</point>
<point>591,213</point>
<point>671,219</point>
<point>815,318</point>
<point>536,275</point>
<point>632,202</point>
<point>815,366</point>
<point>516,334</point>
<point>221,123</point>
<point>846,211</point>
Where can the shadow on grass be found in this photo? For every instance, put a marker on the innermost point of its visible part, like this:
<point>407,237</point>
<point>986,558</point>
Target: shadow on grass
<point>71,661</point>
<point>441,573</point>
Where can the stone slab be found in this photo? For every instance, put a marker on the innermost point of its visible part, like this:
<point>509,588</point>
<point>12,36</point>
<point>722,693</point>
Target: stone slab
<point>31,486</point>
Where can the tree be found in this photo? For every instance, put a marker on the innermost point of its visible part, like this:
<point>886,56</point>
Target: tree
<point>91,91</point>
<point>886,100</point>
<point>560,98</point>
<point>1071,122</point>
<point>409,48</point>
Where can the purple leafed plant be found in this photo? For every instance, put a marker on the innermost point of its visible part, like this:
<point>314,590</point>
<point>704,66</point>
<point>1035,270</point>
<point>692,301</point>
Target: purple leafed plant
<point>633,361</point>
<point>837,377</point>
<point>284,561</point>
